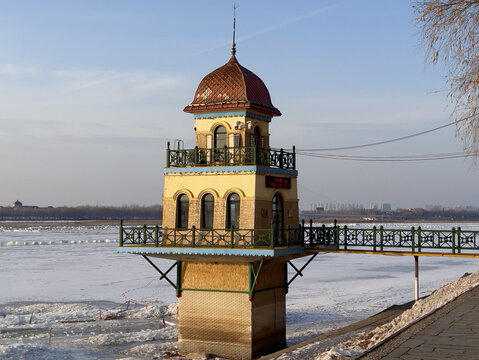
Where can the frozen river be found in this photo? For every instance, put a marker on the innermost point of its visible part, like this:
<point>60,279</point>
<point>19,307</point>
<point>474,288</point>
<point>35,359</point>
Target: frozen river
<point>61,278</point>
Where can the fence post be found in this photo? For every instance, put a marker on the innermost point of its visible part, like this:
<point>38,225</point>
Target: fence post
<point>294,157</point>
<point>232,237</point>
<point>345,237</point>
<point>453,240</point>
<point>419,237</point>
<point>412,239</point>
<point>374,237</point>
<point>381,237</point>
<point>193,236</point>
<point>281,154</point>
<point>225,155</point>
<point>156,235</point>
<point>144,234</point>
<point>195,160</point>
<point>302,233</point>
<point>121,232</point>
<point>459,240</point>
<point>168,154</point>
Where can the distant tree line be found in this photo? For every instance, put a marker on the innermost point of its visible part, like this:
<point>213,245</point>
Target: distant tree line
<point>153,212</point>
<point>398,214</point>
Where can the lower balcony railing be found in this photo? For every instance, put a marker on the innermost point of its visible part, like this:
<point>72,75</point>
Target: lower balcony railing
<point>377,239</point>
<point>193,237</point>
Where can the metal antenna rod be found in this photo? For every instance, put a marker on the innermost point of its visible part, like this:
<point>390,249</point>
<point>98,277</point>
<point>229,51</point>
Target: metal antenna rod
<point>233,44</point>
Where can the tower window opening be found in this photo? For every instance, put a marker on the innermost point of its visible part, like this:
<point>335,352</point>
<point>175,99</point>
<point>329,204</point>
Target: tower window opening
<point>232,211</point>
<point>182,208</point>
<point>207,211</point>
<point>220,137</point>
<point>277,212</point>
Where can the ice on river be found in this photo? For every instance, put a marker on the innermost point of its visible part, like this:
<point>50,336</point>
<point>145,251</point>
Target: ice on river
<point>66,293</point>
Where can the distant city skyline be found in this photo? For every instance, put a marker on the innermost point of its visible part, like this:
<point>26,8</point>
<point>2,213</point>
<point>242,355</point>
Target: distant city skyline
<point>90,93</point>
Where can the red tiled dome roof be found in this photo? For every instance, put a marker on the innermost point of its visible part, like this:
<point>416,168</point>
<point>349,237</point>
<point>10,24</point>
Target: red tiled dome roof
<point>232,87</point>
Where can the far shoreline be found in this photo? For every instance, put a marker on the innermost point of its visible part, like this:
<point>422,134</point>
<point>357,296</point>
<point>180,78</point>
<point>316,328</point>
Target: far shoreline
<point>139,222</point>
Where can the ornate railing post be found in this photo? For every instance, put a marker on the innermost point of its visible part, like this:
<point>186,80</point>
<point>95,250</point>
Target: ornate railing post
<point>294,157</point>
<point>144,234</point>
<point>413,245</point>
<point>302,233</point>
<point>459,240</point>
<point>193,235</point>
<point>281,155</point>
<point>374,237</point>
<point>157,234</point>
<point>310,231</point>
<point>453,238</point>
<point>345,237</point>
<point>232,237</point>
<point>381,237</point>
<point>225,155</point>
<point>121,233</point>
<point>336,233</point>
<point>419,238</point>
<point>168,154</point>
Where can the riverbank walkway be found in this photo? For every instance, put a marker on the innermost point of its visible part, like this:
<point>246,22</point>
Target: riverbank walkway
<point>451,332</point>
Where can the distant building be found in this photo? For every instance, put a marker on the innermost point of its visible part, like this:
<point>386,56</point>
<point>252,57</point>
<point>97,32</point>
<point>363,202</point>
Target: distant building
<point>386,207</point>
<point>18,204</point>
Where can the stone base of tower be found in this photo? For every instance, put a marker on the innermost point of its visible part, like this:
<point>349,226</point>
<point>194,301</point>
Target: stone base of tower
<point>217,316</point>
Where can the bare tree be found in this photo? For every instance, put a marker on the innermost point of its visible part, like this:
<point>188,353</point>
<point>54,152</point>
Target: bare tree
<point>450,31</point>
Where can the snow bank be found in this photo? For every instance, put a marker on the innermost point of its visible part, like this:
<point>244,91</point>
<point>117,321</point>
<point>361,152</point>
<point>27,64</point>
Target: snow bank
<point>167,333</point>
<point>39,352</point>
<point>365,340</point>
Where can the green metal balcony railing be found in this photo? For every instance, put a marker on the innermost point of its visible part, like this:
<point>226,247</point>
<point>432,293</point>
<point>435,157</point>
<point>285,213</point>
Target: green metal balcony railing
<point>231,156</point>
<point>228,238</point>
<point>376,239</point>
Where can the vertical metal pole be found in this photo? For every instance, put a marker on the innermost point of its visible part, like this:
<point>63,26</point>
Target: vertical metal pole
<point>458,240</point>
<point>168,155</point>
<point>250,281</point>
<point>157,232</point>
<point>193,234</point>
<point>416,278</point>
<point>121,232</point>
<point>178,278</point>
<point>413,243</point>
<point>453,240</point>
<point>294,157</point>
<point>345,237</point>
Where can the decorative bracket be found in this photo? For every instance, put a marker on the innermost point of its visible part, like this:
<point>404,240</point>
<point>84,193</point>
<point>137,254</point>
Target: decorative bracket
<point>253,278</point>
<point>177,264</point>
<point>299,271</point>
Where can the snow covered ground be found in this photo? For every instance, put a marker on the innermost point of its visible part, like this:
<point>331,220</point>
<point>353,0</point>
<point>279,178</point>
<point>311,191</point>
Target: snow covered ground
<point>66,294</point>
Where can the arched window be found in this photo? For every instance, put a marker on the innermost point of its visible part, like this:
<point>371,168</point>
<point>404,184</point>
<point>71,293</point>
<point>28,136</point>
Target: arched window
<point>277,212</point>
<point>207,211</point>
<point>220,137</point>
<point>182,207</point>
<point>232,211</point>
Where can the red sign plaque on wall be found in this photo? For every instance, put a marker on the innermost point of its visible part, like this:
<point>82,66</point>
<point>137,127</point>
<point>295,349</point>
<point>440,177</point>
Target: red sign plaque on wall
<point>278,182</point>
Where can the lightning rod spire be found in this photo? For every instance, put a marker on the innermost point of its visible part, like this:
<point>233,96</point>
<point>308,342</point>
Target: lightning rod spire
<point>233,44</point>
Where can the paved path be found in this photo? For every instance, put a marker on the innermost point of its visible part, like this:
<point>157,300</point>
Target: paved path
<point>451,332</point>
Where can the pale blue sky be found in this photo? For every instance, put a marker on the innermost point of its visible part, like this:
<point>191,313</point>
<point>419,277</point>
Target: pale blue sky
<point>90,91</point>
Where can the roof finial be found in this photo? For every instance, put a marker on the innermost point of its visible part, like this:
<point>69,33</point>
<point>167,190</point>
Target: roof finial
<point>233,44</point>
